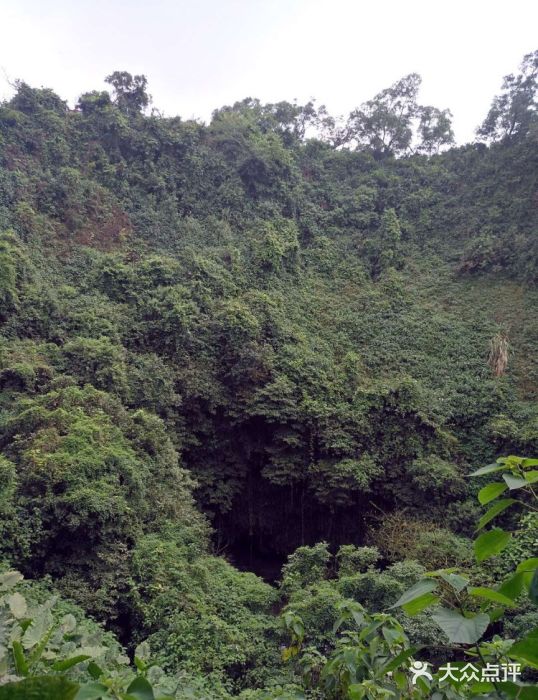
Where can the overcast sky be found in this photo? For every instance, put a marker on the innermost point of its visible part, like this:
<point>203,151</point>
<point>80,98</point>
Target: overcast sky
<point>201,55</point>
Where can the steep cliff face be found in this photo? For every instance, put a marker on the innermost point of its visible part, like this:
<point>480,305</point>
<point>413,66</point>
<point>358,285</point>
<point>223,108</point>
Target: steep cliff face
<point>232,325</point>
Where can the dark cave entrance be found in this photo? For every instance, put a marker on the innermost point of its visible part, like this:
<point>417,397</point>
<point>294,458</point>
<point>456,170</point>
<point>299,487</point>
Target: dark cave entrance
<point>246,555</point>
<point>282,524</point>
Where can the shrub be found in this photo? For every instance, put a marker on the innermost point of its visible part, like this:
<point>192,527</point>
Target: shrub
<point>351,559</point>
<point>401,537</point>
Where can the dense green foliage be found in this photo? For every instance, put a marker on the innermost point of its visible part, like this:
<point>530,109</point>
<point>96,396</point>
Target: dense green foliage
<point>273,338</point>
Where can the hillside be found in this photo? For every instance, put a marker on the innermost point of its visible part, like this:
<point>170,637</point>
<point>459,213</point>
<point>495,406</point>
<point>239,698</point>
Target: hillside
<point>223,342</point>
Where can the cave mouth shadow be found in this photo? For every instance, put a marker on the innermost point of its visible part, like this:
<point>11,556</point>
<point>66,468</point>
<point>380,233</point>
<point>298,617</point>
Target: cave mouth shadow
<point>246,555</point>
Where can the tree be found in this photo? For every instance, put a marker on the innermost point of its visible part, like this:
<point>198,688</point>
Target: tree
<point>31,101</point>
<point>434,129</point>
<point>512,112</point>
<point>129,91</point>
<point>385,122</point>
<point>388,122</point>
<point>289,120</point>
<point>94,101</point>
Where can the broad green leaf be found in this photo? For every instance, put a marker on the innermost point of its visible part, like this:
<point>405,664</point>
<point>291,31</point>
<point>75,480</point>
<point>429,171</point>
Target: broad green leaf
<point>533,589</point>
<point>527,692</point>
<point>141,689</point>
<point>358,617</point>
<point>423,685</point>
<point>531,477</point>
<point>391,634</point>
<point>494,511</point>
<point>527,565</point>
<point>529,463</point>
<point>481,687</point>
<point>393,664</point>
<point>490,594</point>
<point>528,570</point>
<point>526,648</point>
<point>400,679</point>
<point>94,652</point>
<point>521,692</point>
<point>68,623</point>
<point>496,614</point>
<point>491,491</point>
<point>92,691</point>
<point>9,579</point>
<point>456,581</point>
<point>513,586</point>
<point>356,692</point>
<point>66,664</point>
<point>40,688</point>
<point>38,649</point>
<point>459,629</point>
<point>488,469</point>
<point>514,482</point>
<point>419,604</point>
<point>17,605</point>
<point>491,543</point>
<point>21,665</point>
<point>416,591</point>
<point>370,629</point>
<point>94,670</point>
<point>438,572</point>
<point>38,628</point>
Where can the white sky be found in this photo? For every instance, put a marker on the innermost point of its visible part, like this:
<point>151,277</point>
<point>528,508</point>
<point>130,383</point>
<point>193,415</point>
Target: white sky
<point>201,55</point>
